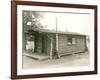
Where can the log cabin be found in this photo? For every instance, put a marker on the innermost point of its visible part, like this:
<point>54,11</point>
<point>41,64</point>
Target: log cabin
<point>57,43</point>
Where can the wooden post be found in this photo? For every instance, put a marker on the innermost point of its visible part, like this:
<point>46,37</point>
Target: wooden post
<point>51,47</point>
<point>57,45</point>
<point>57,40</point>
<point>56,36</point>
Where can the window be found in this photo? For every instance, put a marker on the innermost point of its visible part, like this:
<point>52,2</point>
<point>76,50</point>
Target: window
<point>71,40</point>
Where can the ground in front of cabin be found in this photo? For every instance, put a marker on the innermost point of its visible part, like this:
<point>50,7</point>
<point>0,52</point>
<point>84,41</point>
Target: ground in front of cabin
<point>80,59</point>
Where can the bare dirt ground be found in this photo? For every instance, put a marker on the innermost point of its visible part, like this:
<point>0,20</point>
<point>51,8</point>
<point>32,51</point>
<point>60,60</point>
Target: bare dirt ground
<point>80,59</point>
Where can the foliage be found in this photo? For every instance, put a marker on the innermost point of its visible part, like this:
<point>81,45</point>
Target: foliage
<point>31,20</point>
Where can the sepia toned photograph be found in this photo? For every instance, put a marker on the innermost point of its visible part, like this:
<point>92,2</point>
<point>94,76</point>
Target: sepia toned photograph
<point>53,39</point>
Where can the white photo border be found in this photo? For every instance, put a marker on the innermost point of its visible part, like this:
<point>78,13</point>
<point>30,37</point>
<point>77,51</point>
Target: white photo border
<point>21,71</point>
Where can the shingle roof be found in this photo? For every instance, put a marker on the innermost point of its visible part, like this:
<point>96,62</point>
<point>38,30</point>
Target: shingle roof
<point>58,32</point>
<point>54,32</point>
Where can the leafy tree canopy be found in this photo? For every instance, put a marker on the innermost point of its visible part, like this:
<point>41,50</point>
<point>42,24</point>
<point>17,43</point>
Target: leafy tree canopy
<point>31,20</point>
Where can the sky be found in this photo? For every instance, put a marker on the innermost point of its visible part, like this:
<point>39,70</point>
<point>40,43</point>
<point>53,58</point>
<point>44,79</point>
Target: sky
<point>72,22</point>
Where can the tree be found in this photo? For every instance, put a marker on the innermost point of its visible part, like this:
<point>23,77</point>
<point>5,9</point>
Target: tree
<point>30,20</point>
